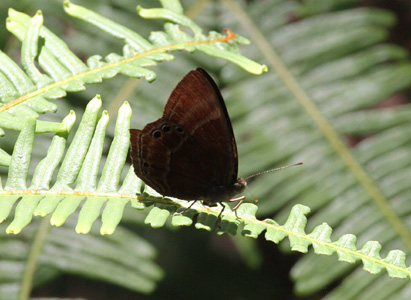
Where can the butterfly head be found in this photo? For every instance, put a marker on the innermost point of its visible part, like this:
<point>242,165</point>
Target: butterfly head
<point>239,186</point>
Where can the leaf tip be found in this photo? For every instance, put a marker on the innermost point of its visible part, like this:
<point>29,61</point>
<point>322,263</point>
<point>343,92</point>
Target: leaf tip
<point>56,222</point>
<point>106,230</point>
<point>82,229</point>
<point>13,230</point>
<point>66,4</point>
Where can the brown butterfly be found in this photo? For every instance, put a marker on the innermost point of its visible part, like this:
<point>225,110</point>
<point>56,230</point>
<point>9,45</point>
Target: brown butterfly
<point>190,153</point>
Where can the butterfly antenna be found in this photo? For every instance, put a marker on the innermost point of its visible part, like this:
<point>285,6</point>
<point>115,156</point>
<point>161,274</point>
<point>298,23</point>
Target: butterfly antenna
<point>249,191</point>
<point>272,170</point>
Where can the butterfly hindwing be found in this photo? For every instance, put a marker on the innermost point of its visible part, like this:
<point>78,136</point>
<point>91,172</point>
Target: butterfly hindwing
<point>169,169</point>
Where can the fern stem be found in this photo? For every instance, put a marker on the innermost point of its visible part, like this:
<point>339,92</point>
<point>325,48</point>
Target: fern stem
<point>34,253</point>
<point>302,97</point>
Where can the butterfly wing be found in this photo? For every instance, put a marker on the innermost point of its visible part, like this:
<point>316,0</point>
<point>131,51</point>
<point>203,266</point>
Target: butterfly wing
<point>168,161</point>
<point>189,153</point>
<point>198,98</point>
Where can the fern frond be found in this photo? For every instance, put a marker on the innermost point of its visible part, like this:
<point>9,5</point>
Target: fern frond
<point>80,165</point>
<point>336,75</point>
<point>26,93</point>
<point>294,228</point>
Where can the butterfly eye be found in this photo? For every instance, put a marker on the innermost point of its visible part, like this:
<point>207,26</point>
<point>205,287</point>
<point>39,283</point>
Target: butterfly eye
<point>144,164</point>
<point>156,134</point>
<point>238,187</point>
<point>165,128</point>
<point>179,129</point>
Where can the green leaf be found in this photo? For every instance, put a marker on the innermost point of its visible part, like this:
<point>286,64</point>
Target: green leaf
<point>24,94</point>
<point>80,165</point>
<point>19,165</point>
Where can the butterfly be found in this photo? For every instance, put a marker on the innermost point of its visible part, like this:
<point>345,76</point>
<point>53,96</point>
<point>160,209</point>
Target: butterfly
<point>190,153</point>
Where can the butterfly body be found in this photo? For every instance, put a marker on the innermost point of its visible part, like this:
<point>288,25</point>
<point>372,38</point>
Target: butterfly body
<point>190,153</point>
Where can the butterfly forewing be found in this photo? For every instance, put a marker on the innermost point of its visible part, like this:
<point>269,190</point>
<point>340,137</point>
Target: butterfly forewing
<point>197,103</point>
<point>190,152</point>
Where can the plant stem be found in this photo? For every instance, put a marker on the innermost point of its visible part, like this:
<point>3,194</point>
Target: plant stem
<point>34,253</point>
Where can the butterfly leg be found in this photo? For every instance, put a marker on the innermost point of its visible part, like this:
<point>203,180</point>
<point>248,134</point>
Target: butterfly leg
<point>221,212</point>
<point>218,222</point>
<point>185,209</point>
<point>142,188</point>
<point>240,201</point>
